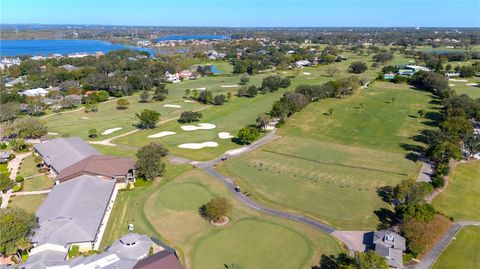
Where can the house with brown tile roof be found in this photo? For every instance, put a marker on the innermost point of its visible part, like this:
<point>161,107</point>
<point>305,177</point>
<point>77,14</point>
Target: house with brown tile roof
<point>104,166</point>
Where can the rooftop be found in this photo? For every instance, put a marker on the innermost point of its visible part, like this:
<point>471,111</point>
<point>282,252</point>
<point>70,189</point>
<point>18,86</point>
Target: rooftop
<point>63,152</point>
<point>73,211</point>
<point>108,166</point>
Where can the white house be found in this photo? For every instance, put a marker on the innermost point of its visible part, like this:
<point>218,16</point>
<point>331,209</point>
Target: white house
<point>173,78</point>
<point>35,92</point>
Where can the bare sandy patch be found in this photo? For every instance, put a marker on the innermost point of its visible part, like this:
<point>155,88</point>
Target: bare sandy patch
<point>52,133</point>
<point>198,145</point>
<point>307,73</point>
<point>472,84</point>
<point>189,101</point>
<point>229,86</point>
<point>172,106</point>
<point>225,135</point>
<point>85,118</point>
<point>451,85</point>
<point>458,80</point>
<point>111,130</point>
<point>201,126</point>
<point>161,134</point>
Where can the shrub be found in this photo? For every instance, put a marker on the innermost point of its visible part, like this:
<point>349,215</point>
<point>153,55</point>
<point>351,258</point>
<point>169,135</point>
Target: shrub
<point>357,67</point>
<point>74,251</point>
<point>215,209</point>
<point>438,181</point>
<point>19,179</point>
<point>17,188</point>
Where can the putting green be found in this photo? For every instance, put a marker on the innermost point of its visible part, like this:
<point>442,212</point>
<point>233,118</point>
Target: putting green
<point>252,243</point>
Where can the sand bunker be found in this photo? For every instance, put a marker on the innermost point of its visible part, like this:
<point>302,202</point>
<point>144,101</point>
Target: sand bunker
<point>161,134</point>
<point>307,73</point>
<point>85,118</point>
<point>225,135</point>
<point>236,151</point>
<point>451,85</point>
<point>174,106</point>
<point>229,86</point>
<point>458,80</point>
<point>200,89</point>
<point>109,131</point>
<point>189,101</point>
<point>201,126</point>
<point>471,84</point>
<point>52,133</point>
<point>198,145</point>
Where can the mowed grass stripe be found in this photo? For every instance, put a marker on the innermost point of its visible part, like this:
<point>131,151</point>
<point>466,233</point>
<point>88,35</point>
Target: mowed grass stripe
<point>336,164</point>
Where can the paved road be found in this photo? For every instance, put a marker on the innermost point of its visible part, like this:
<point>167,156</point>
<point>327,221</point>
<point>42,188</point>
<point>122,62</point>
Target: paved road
<point>441,245</point>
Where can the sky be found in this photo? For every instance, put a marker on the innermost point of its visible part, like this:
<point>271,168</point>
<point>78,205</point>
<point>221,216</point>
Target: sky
<point>246,13</point>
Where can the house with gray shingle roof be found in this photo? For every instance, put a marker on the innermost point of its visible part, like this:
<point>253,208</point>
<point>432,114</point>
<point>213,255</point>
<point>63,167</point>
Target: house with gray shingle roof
<point>72,214</point>
<point>391,246</point>
<point>132,251</point>
<point>61,153</point>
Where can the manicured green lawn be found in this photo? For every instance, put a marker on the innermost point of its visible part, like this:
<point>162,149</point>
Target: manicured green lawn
<point>229,117</point>
<point>128,208</point>
<point>462,87</point>
<point>28,167</point>
<point>330,167</point>
<point>173,211</point>
<point>463,252</point>
<point>78,123</point>
<point>28,202</point>
<point>116,151</point>
<point>253,243</point>
<point>461,199</point>
<point>38,183</point>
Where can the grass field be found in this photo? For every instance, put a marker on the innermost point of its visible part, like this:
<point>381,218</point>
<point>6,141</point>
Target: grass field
<point>173,211</point>
<point>28,202</point>
<point>461,199</point>
<point>253,243</point>
<point>461,87</point>
<point>331,166</point>
<point>463,252</point>
<point>28,167</point>
<point>78,123</point>
<point>37,183</point>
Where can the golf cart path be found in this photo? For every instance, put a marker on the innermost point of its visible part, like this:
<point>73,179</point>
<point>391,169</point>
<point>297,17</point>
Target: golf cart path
<point>108,141</point>
<point>431,257</point>
<point>13,166</point>
<point>208,167</point>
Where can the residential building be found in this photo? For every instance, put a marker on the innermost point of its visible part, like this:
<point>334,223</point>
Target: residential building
<point>302,63</point>
<point>391,246</point>
<point>173,78</point>
<point>73,214</point>
<point>132,251</point>
<point>108,167</point>
<point>4,156</point>
<point>61,153</point>
<point>15,81</point>
<point>9,62</point>
<point>35,92</point>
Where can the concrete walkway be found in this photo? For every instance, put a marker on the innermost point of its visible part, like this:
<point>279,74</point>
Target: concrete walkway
<point>22,193</point>
<point>426,172</point>
<point>13,166</point>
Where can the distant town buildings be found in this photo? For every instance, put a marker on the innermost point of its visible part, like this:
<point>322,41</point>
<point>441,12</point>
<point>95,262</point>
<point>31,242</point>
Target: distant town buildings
<point>9,62</point>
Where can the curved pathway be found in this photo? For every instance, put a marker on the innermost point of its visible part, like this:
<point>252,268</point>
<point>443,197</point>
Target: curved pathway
<point>432,256</point>
<point>208,167</point>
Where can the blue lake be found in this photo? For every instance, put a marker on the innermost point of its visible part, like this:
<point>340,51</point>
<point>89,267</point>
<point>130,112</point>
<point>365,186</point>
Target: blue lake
<point>215,70</point>
<point>190,37</point>
<point>46,47</point>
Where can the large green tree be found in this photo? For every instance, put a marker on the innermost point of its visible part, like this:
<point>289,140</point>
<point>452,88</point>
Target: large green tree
<point>216,208</point>
<point>248,134</point>
<point>369,260</point>
<point>16,226</point>
<point>150,163</point>
<point>148,118</point>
